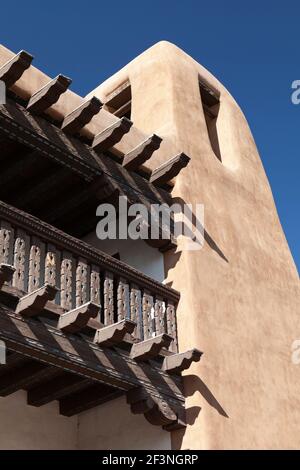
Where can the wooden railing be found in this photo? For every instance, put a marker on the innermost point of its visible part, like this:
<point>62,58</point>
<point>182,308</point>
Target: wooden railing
<point>43,254</point>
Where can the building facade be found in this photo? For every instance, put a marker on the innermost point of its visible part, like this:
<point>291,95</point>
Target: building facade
<point>100,335</point>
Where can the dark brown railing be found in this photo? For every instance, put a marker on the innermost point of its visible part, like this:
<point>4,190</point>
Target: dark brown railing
<point>43,254</point>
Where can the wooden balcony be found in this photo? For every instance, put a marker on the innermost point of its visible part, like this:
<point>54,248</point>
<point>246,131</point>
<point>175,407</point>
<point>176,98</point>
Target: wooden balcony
<point>43,255</point>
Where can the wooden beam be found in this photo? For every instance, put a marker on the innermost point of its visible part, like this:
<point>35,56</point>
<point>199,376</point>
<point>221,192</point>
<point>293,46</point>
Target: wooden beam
<point>57,388</point>
<point>6,273</point>
<point>89,398</point>
<point>114,334</point>
<point>23,377</point>
<point>77,319</point>
<point>48,95</point>
<point>164,173</point>
<point>14,68</point>
<point>81,116</point>
<point>34,303</point>
<point>141,153</point>
<point>150,348</point>
<point>176,363</point>
<point>111,135</point>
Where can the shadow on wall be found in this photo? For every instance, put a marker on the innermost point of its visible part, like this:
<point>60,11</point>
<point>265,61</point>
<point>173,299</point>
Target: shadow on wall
<point>194,384</point>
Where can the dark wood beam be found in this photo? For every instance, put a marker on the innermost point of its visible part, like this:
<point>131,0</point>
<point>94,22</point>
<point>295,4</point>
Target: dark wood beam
<point>89,398</point>
<point>13,360</point>
<point>111,135</point>
<point>48,95</point>
<point>24,376</point>
<point>141,153</point>
<point>176,363</point>
<point>113,334</point>
<point>14,68</point>
<point>81,116</point>
<point>150,348</point>
<point>59,387</point>
<point>164,173</point>
<point>34,303</point>
<point>6,273</point>
<point>77,319</point>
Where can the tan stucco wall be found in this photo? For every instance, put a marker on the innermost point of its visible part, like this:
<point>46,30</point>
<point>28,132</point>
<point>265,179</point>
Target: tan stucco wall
<point>113,426</point>
<point>31,428</point>
<point>109,426</point>
<point>240,293</point>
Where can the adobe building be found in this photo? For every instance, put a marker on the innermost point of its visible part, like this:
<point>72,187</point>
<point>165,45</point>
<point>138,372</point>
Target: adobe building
<point>104,339</point>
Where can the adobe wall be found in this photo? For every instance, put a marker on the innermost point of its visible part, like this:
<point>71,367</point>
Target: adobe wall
<point>240,293</point>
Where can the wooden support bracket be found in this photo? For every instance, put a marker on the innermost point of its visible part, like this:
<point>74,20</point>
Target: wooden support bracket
<point>32,304</point>
<point>81,116</point>
<point>14,68</point>
<point>114,334</point>
<point>165,172</point>
<point>140,154</point>
<point>111,135</point>
<point>150,348</point>
<point>48,95</point>
<point>77,319</point>
<point>176,363</point>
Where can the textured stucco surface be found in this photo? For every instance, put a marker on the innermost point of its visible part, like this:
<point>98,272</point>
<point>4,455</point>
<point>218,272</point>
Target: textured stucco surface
<point>240,293</point>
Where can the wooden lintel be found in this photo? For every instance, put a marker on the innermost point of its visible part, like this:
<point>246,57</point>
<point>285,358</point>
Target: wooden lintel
<point>165,172</point>
<point>65,384</point>
<point>114,334</point>
<point>150,348</point>
<point>88,398</point>
<point>15,67</point>
<point>6,273</point>
<point>77,319</point>
<point>48,95</point>
<point>141,153</point>
<point>111,135</point>
<point>176,363</point>
<point>32,304</point>
<point>23,377</point>
<point>81,116</point>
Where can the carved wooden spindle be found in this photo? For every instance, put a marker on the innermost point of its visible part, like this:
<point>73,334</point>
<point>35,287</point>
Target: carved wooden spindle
<point>20,252</point>
<point>136,310</point>
<point>66,281</point>
<point>147,315</point>
<point>6,243</point>
<point>159,316</point>
<point>34,266</point>
<point>108,291</point>
<point>51,265</point>
<point>81,283</point>
<point>95,293</point>
<point>123,299</point>
<point>171,326</point>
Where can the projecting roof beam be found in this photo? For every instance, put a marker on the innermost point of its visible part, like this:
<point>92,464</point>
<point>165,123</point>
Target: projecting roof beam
<point>176,363</point>
<point>48,95</point>
<point>140,154</point>
<point>31,305</point>
<point>77,319</point>
<point>81,116</point>
<point>24,376</point>
<point>150,348</point>
<point>111,135</point>
<point>56,388</point>
<point>14,68</point>
<point>6,273</point>
<point>164,173</point>
<point>114,334</point>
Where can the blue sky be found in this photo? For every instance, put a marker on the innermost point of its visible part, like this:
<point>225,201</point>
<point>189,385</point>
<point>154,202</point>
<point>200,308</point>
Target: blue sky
<point>252,47</point>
